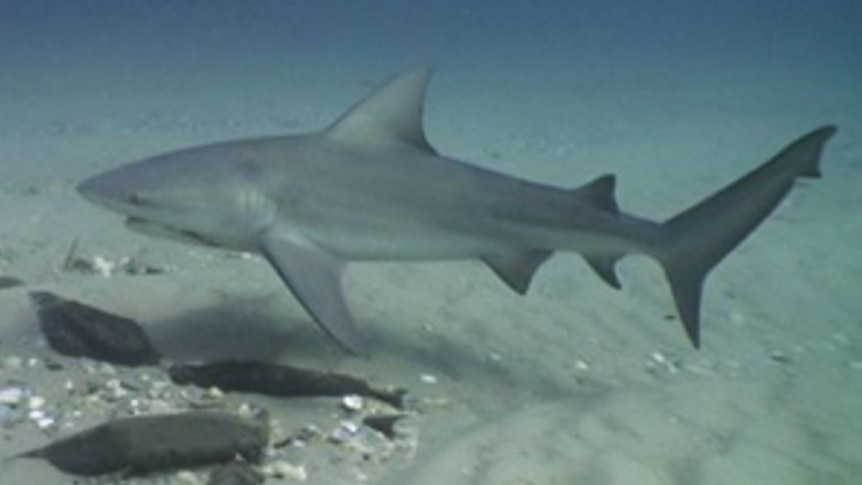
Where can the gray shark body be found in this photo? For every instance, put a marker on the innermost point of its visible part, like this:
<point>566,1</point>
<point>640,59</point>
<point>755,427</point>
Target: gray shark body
<point>371,187</point>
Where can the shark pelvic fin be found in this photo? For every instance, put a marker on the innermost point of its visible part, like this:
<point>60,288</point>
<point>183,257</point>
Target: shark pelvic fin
<point>516,269</point>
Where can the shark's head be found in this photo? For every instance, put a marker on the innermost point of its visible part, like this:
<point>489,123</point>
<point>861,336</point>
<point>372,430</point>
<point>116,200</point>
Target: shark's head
<point>192,196</point>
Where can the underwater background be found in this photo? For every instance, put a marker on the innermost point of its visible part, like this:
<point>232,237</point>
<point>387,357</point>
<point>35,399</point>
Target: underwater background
<point>573,383</point>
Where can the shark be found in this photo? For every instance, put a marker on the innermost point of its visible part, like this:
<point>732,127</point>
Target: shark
<point>370,187</point>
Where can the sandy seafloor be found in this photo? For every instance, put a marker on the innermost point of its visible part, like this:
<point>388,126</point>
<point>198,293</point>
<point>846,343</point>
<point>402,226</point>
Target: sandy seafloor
<point>574,383</point>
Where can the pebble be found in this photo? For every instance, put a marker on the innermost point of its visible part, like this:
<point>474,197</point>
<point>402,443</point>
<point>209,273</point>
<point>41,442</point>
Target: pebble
<point>12,396</point>
<point>186,477</point>
<point>36,402</point>
<point>11,362</point>
<point>213,393</point>
<point>428,379</point>
<point>284,469</point>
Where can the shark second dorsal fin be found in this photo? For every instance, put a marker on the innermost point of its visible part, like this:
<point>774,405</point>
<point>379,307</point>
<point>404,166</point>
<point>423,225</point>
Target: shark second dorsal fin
<point>392,114</point>
<point>599,193</point>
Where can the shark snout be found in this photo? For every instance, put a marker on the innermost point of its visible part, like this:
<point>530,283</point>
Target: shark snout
<point>89,189</point>
<point>107,191</point>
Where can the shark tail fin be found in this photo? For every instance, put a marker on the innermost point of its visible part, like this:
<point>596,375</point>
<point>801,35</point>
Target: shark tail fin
<point>695,241</point>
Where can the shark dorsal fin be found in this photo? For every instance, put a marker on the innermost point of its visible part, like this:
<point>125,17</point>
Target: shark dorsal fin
<point>390,114</point>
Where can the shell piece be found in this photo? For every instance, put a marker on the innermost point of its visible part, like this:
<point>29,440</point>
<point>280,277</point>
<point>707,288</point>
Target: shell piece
<point>352,403</point>
<point>78,330</point>
<point>145,444</point>
<point>285,470</point>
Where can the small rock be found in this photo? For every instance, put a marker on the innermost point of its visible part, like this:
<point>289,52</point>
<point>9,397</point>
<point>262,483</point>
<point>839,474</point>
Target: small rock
<point>12,396</point>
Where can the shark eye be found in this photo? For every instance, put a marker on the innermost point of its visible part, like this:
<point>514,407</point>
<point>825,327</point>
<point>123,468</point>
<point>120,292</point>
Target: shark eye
<point>136,199</point>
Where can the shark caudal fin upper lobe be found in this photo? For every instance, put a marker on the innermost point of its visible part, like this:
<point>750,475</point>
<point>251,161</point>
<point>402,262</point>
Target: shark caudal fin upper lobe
<point>696,240</point>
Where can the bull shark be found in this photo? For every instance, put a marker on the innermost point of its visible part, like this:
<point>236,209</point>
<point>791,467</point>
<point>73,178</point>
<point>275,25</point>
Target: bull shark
<point>371,187</point>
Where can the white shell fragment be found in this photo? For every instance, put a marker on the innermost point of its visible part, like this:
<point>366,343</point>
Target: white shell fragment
<point>428,379</point>
<point>36,402</point>
<point>352,403</point>
<point>344,432</point>
<point>213,393</point>
<point>659,362</point>
<point>103,266</point>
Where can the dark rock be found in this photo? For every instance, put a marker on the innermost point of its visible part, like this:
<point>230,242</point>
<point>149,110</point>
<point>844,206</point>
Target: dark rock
<point>384,424</point>
<point>78,330</point>
<point>279,380</point>
<point>9,282</point>
<point>145,444</point>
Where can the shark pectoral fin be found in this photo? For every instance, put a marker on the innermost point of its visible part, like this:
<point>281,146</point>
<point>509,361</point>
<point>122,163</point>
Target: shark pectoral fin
<point>314,277</point>
<point>516,269</point>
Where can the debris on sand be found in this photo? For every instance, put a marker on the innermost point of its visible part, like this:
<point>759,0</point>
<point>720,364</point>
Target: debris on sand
<point>105,267</point>
<point>385,424</point>
<point>10,282</point>
<point>144,444</point>
<point>78,330</point>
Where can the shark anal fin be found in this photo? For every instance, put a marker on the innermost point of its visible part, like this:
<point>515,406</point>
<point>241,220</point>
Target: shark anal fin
<point>516,269</point>
<point>604,266</point>
<point>314,277</point>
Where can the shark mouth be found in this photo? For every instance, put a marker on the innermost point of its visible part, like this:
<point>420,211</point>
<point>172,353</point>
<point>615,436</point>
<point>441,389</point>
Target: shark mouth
<point>163,231</point>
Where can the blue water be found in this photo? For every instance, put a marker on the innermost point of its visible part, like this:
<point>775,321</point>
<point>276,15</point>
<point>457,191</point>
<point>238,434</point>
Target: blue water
<point>151,36</point>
